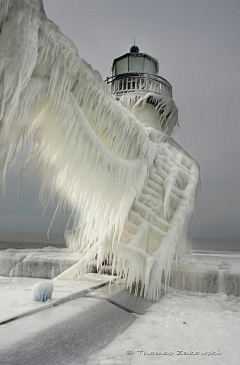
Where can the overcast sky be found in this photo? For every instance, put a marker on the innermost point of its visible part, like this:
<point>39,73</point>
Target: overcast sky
<point>197,44</point>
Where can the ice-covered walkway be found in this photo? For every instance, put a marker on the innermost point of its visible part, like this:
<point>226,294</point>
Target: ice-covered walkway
<point>92,325</point>
<point>182,328</point>
<point>62,334</point>
<point>15,295</point>
<point>199,329</point>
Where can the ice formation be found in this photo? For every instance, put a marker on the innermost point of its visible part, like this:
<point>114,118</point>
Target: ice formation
<point>165,109</point>
<point>131,189</point>
<point>42,291</point>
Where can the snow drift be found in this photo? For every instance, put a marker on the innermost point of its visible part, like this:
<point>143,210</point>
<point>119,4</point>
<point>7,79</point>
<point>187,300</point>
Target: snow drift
<point>131,189</point>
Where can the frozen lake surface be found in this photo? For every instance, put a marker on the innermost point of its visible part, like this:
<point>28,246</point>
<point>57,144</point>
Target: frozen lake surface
<point>40,240</point>
<point>30,240</point>
<point>216,244</point>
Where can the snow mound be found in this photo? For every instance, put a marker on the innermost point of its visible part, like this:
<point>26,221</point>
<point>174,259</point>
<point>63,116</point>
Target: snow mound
<point>42,291</point>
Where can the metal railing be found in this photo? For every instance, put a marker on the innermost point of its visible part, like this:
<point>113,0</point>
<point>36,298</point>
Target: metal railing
<point>142,82</point>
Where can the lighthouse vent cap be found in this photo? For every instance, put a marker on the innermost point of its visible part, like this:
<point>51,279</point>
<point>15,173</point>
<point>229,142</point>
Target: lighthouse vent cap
<point>134,49</point>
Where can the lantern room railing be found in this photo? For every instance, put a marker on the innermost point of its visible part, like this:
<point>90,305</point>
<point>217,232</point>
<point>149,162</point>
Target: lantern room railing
<point>142,82</point>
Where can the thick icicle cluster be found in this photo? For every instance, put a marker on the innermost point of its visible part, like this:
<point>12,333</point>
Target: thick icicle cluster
<point>130,189</point>
<point>164,108</point>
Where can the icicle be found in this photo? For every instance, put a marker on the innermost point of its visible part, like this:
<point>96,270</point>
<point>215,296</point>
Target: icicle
<point>164,108</point>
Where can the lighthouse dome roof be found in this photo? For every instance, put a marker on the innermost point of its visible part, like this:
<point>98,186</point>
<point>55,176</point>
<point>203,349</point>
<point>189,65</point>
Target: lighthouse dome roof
<point>134,49</point>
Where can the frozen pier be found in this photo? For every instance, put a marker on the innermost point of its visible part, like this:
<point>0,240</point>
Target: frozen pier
<point>197,272</point>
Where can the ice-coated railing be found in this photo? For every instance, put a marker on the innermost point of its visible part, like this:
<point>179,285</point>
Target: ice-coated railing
<point>143,82</point>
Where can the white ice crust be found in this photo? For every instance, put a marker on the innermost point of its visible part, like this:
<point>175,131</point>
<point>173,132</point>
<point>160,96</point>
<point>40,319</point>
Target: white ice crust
<point>131,189</point>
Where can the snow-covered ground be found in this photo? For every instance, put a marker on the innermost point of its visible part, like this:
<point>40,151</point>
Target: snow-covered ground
<point>65,333</point>
<point>205,327</point>
<point>180,329</point>
<point>16,294</point>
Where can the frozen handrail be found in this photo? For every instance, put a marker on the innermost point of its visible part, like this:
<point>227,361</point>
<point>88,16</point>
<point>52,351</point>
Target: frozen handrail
<point>142,82</point>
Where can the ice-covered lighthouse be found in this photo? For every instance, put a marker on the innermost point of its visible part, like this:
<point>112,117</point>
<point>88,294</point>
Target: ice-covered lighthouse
<point>136,83</point>
<point>155,214</point>
<point>131,189</point>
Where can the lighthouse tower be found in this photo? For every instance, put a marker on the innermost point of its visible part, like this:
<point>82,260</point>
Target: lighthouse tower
<point>136,84</point>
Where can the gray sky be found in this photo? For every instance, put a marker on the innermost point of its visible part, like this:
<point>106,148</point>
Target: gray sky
<point>197,45</point>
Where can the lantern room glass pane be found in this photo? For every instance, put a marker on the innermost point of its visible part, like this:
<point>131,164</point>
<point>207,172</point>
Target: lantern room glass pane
<point>122,66</point>
<point>150,66</point>
<point>113,70</point>
<point>136,64</point>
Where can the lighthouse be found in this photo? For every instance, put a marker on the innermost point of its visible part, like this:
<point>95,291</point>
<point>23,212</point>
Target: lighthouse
<point>135,82</point>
